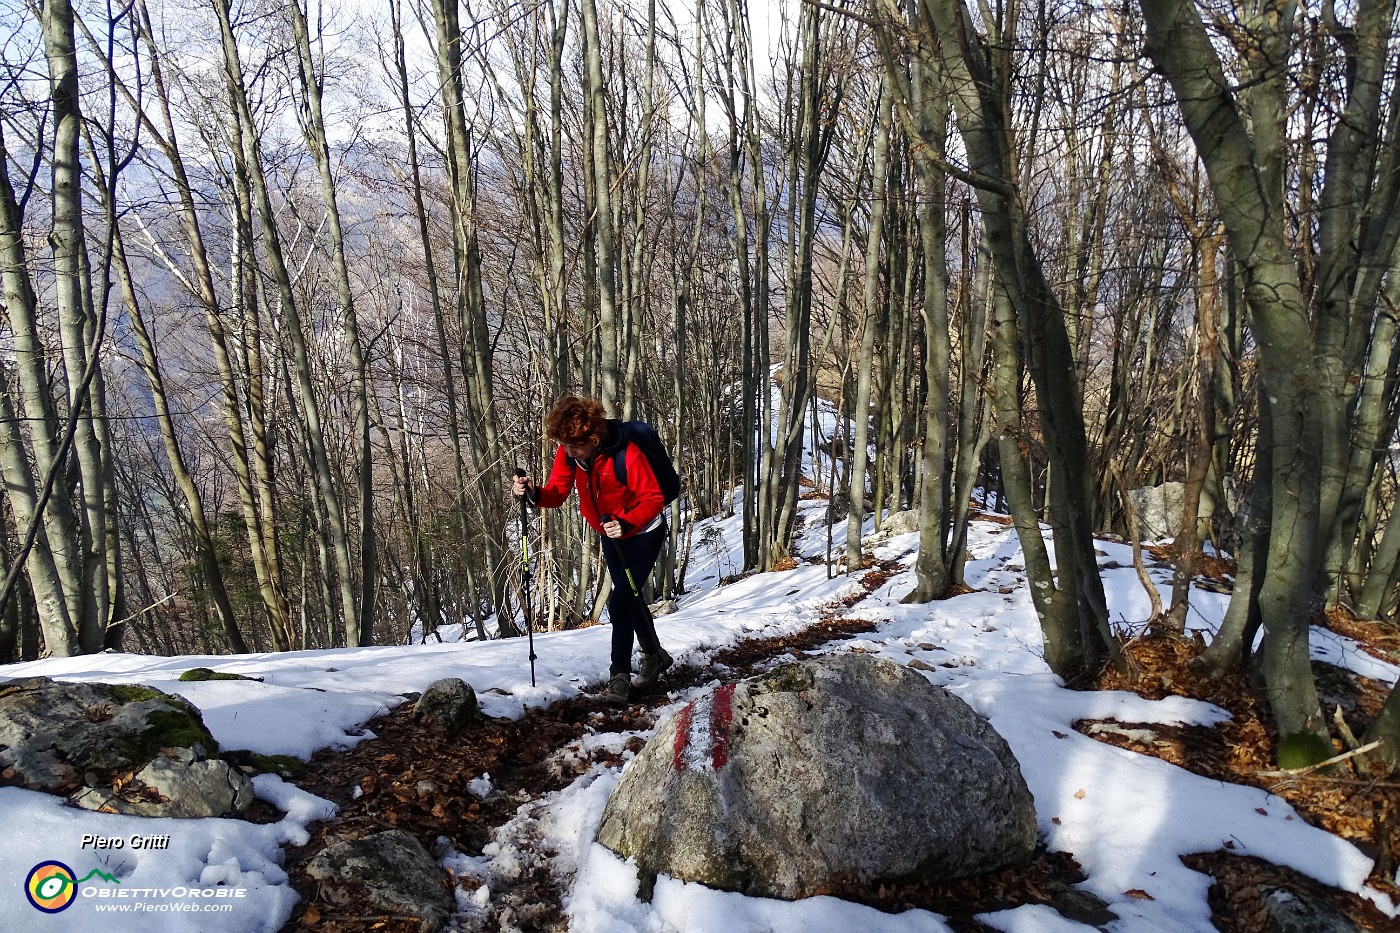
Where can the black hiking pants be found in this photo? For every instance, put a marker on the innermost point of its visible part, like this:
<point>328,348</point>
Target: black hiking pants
<point>629,614</point>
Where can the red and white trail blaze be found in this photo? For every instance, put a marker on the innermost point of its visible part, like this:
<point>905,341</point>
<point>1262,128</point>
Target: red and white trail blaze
<point>702,733</point>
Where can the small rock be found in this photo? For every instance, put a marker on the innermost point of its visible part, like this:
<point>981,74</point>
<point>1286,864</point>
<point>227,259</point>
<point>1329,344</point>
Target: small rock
<point>392,870</point>
<point>901,523</point>
<point>200,674</point>
<point>1290,912</point>
<point>448,705</point>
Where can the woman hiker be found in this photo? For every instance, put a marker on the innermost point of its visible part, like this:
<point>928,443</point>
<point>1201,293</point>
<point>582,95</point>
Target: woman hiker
<point>627,514</point>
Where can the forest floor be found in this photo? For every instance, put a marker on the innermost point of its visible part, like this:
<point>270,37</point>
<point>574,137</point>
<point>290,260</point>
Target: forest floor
<point>522,759</point>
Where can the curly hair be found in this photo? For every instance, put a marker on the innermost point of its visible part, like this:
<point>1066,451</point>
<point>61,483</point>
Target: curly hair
<point>575,420</point>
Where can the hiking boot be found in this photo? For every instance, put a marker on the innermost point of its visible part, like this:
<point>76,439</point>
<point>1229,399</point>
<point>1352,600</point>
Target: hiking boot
<point>617,690</point>
<point>651,668</point>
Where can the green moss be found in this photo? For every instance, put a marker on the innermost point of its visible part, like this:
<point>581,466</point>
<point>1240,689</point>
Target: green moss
<point>285,766</point>
<point>172,728</point>
<point>134,693</point>
<point>199,674</point>
<point>790,678</point>
<point>1301,749</point>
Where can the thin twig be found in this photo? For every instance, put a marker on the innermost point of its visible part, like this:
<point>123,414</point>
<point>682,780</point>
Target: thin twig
<point>1299,772</point>
<point>140,612</point>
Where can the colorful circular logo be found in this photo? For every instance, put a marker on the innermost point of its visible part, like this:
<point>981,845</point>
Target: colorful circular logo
<point>51,887</point>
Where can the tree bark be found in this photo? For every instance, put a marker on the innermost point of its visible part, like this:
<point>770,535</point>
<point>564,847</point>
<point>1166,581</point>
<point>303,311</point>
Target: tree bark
<point>1244,171</point>
<point>357,608</point>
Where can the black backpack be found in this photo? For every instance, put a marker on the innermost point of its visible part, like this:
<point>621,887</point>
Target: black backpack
<point>649,443</point>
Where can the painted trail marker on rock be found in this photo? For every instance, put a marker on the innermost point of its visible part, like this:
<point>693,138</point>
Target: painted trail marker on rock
<point>821,775</point>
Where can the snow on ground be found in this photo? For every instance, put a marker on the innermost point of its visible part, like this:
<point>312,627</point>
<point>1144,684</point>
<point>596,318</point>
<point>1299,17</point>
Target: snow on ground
<point>1126,818</point>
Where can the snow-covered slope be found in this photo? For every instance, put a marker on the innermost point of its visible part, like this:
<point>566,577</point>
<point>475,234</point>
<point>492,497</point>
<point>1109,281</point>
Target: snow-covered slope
<point>1126,818</point>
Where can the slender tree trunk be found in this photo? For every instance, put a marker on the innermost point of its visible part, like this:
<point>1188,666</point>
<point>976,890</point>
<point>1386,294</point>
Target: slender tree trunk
<point>211,574</point>
<point>974,421</point>
<point>50,563</point>
<point>933,566</point>
<point>1243,170</point>
<point>1188,539</point>
<point>454,423</point>
<point>358,618</point>
<point>319,462</point>
<point>859,453</point>
<point>256,500</point>
<point>599,182</point>
<point>78,329</point>
<point>485,462</point>
<point>979,96</point>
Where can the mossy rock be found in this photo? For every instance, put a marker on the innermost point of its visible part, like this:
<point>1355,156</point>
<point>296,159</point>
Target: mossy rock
<point>200,674</point>
<point>156,722</point>
<point>60,736</point>
<point>152,720</point>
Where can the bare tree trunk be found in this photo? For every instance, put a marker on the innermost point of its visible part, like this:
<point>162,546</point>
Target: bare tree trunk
<point>933,566</point>
<point>1062,650</point>
<point>1188,538</point>
<point>820,99</point>
<point>599,182</point>
<point>485,462</point>
<point>974,417</point>
<point>358,619</point>
<point>49,563</point>
<point>79,330</point>
<point>750,246</point>
<point>1243,172</point>
<point>858,455</point>
<point>253,474</point>
<point>454,424</point>
<point>211,573</point>
<point>249,146</point>
<point>979,96</point>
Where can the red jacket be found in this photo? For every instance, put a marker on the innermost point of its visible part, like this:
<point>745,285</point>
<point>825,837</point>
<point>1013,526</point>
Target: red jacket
<point>599,492</point>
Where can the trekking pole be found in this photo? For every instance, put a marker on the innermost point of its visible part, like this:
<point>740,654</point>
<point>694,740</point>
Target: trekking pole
<point>525,575</point>
<point>628,570</point>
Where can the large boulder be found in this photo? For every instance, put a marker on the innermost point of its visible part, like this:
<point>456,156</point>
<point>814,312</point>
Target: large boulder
<point>900,523</point>
<point>392,871</point>
<point>820,776</point>
<point>1158,509</point>
<point>115,747</point>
